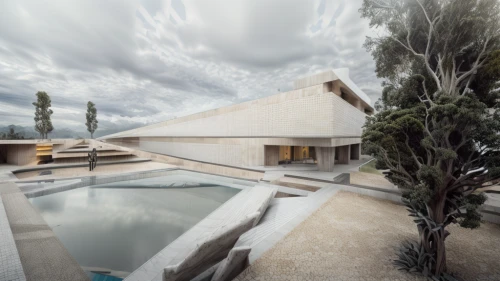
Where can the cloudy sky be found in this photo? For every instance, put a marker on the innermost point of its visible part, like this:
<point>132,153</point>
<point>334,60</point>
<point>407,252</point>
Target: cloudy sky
<point>147,61</point>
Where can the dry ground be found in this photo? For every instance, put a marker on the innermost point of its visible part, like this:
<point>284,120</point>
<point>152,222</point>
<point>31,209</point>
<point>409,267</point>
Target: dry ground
<point>354,237</point>
<point>369,179</point>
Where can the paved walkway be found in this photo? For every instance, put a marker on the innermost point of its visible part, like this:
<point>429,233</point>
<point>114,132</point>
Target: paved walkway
<point>354,237</point>
<point>11,268</point>
<point>43,256</point>
<point>308,170</point>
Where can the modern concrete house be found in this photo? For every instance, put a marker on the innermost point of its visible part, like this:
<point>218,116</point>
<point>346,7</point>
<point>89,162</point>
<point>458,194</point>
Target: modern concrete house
<point>320,121</point>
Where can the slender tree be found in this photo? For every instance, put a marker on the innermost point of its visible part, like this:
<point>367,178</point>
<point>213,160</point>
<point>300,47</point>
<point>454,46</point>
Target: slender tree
<point>91,118</point>
<point>43,123</point>
<point>438,129</point>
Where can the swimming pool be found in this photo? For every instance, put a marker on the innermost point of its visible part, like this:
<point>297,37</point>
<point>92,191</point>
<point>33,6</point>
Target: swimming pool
<point>116,227</point>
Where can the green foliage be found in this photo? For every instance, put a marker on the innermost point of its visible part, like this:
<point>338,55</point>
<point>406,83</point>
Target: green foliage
<point>91,118</point>
<point>462,136</point>
<point>43,123</point>
<point>413,258</point>
<point>370,167</point>
<point>438,126</point>
<point>472,217</point>
<point>12,135</point>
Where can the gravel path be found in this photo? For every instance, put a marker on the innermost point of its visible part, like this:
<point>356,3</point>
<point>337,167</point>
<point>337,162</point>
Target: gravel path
<point>354,237</point>
<point>373,180</point>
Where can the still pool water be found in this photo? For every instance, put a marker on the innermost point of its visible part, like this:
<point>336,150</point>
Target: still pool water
<point>120,226</point>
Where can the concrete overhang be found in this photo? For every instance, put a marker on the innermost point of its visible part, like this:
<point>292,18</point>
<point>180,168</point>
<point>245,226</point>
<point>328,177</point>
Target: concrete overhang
<point>341,74</point>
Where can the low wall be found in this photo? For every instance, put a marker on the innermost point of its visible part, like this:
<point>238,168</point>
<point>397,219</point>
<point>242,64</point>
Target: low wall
<point>489,212</point>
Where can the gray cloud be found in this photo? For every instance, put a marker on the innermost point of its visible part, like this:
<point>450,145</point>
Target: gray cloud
<point>143,61</point>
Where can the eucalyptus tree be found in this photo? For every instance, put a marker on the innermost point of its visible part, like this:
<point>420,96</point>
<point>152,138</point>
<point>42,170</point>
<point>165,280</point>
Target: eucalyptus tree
<point>43,123</point>
<point>91,118</point>
<point>438,126</point>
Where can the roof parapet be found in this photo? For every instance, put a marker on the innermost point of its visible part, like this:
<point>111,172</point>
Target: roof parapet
<point>341,74</point>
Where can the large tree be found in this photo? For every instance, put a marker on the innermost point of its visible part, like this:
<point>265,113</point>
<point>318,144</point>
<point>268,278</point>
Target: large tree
<point>438,126</point>
<point>43,123</point>
<point>91,118</point>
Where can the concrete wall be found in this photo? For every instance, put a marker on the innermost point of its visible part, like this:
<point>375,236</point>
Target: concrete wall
<point>326,158</point>
<point>85,159</point>
<point>241,152</point>
<point>302,113</point>
<point>192,165</point>
<point>271,154</point>
<point>237,137</point>
<point>355,151</point>
<point>338,81</point>
<point>18,154</point>
<point>344,154</point>
<point>3,153</point>
<point>314,115</point>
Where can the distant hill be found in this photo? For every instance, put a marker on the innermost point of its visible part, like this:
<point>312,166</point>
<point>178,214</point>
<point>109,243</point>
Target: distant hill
<point>29,132</point>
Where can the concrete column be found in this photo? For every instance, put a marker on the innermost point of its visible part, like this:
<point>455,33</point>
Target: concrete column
<point>271,155</point>
<point>326,158</point>
<point>344,154</point>
<point>355,151</point>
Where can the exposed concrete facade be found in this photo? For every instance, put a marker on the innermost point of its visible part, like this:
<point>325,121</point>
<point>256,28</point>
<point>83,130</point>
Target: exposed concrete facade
<point>325,110</point>
<point>326,158</point>
<point>343,154</point>
<point>17,154</point>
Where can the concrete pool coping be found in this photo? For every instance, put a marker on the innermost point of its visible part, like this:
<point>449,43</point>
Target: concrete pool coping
<point>75,165</point>
<point>45,189</point>
<point>61,185</point>
<point>131,173</point>
<point>42,255</point>
<point>256,237</point>
<point>11,268</point>
<point>49,186</point>
<point>20,214</point>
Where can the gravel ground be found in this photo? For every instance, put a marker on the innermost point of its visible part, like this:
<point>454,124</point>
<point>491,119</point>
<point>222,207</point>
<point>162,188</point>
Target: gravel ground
<point>368,179</point>
<point>354,237</point>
